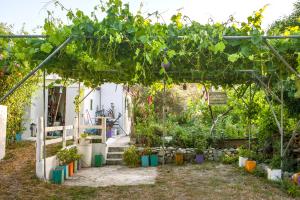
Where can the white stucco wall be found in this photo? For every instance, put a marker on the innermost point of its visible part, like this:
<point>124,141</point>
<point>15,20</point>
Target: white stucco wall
<point>88,113</point>
<point>113,93</point>
<point>3,121</point>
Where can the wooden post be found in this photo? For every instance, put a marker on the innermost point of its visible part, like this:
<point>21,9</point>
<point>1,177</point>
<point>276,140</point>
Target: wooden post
<point>75,131</point>
<point>64,137</point>
<point>39,140</point>
<point>103,130</point>
<point>3,121</point>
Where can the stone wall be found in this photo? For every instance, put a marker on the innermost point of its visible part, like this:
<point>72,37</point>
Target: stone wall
<point>189,154</point>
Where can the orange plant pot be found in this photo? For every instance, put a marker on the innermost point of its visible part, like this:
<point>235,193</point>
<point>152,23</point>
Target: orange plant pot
<point>179,159</point>
<point>250,165</point>
<point>71,169</point>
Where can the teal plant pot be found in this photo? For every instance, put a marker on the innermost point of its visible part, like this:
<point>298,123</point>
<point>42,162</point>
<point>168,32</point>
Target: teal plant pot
<point>153,160</point>
<point>58,175</point>
<point>145,161</point>
<point>18,137</point>
<point>66,171</point>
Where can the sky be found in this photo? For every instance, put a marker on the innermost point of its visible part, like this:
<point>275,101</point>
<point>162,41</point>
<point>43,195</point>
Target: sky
<point>32,13</point>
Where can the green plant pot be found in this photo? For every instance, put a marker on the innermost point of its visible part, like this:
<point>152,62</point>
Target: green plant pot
<point>98,160</point>
<point>154,160</point>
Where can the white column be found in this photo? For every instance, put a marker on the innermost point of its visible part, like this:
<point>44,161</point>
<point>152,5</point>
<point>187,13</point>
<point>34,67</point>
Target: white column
<point>3,121</point>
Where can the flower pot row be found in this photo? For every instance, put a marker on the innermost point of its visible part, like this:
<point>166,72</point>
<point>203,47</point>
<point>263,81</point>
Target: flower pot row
<point>63,172</point>
<point>199,159</point>
<point>250,165</point>
<point>149,160</point>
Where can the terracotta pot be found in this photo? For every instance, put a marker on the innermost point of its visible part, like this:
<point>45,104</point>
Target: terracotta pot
<point>250,165</point>
<point>71,169</point>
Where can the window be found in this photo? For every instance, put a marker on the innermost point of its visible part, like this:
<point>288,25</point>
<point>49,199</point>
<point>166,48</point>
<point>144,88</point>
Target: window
<point>91,104</point>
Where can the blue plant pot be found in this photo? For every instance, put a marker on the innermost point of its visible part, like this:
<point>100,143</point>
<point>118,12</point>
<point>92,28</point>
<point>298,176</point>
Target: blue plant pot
<point>145,161</point>
<point>66,171</point>
<point>18,137</point>
<point>153,160</point>
<point>199,158</point>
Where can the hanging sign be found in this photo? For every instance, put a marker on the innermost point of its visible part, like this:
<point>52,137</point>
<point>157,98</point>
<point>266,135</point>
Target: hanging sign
<point>217,98</point>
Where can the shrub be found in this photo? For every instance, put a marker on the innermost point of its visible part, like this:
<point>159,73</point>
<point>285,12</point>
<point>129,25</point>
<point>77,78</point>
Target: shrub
<point>200,145</point>
<point>131,156</point>
<point>275,162</point>
<point>65,156</point>
<point>290,188</point>
<point>226,159</point>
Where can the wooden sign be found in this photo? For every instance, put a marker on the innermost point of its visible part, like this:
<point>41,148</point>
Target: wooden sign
<point>217,98</point>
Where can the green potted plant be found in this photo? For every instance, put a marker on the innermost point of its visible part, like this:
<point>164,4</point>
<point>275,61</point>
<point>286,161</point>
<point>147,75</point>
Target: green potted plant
<point>63,161</point>
<point>200,147</point>
<point>145,156</point>
<point>73,158</point>
<point>131,156</point>
<point>274,171</point>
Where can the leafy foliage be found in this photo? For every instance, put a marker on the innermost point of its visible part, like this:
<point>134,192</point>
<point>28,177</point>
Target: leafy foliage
<point>131,156</point>
<point>12,70</point>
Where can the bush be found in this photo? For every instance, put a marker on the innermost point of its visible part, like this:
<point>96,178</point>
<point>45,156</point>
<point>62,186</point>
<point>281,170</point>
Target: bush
<point>66,156</point>
<point>290,188</point>
<point>226,159</point>
<point>131,156</point>
<point>200,145</point>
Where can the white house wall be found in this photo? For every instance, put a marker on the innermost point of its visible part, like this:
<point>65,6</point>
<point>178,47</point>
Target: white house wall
<point>113,93</point>
<point>109,93</point>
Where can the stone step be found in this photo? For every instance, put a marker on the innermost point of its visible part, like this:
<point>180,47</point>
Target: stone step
<point>114,161</point>
<point>115,155</point>
<point>116,149</point>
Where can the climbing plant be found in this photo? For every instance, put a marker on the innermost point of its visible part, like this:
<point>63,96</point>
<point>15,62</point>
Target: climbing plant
<point>123,47</point>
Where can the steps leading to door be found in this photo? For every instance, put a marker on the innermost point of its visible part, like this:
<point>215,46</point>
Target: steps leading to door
<point>115,155</point>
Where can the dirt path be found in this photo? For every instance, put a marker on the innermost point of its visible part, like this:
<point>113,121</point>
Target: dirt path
<point>208,181</point>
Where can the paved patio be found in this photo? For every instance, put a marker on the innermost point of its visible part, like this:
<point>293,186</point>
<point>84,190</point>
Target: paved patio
<point>113,175</point>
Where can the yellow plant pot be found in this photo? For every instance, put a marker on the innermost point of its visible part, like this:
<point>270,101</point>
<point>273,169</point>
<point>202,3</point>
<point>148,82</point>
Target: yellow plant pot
<point>179,159</point>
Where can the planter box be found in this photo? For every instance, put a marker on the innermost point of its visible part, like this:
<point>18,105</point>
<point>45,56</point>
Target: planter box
<point>86,151</point>
<point>250,165</point>
<point>145,161</point>
<point>199,159</point>
<point>274,174</point>
<point>153,160</point>
<point>58,175</point>
<point>242,161</point>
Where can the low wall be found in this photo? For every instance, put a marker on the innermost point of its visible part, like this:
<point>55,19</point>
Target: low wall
<point>189,154</point>
<point>51,163</point>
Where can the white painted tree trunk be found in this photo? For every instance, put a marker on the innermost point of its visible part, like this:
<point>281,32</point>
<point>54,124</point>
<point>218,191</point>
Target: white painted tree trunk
<point>3,122</point>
